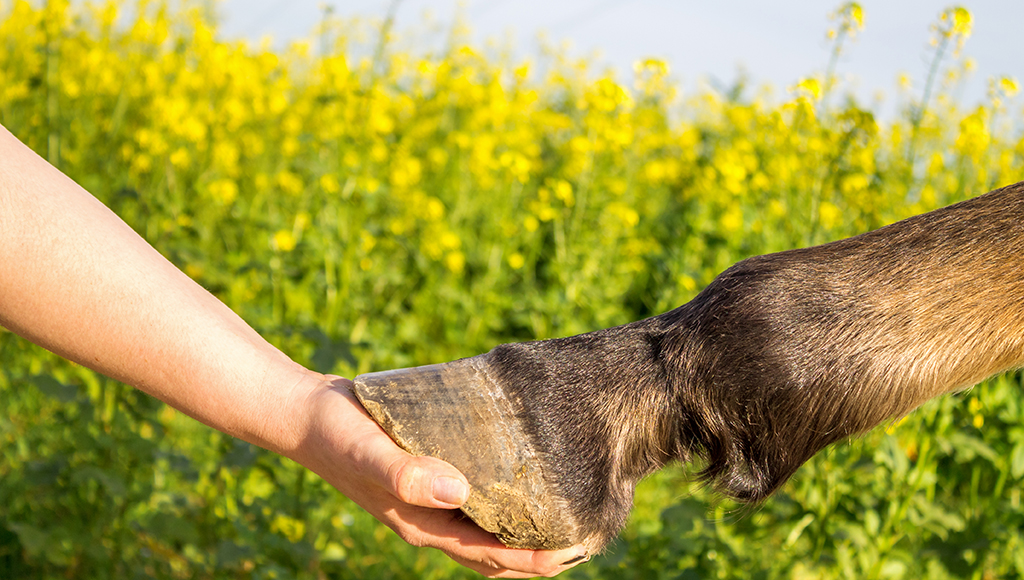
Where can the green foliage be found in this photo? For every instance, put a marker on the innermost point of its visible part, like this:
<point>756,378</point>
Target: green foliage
<point>365,214</point>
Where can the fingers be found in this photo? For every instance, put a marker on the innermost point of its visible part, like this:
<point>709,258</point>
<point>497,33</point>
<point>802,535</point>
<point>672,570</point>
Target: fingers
<point>500,573</point>
<point>421,481</point>
<point>424,481</point>
<point>473,547</point>
<point>493,569</point>
<point>529,565</point>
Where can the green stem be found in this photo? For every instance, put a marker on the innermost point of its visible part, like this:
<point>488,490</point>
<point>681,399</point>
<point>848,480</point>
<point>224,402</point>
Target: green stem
<point>382,41</point>
<point>53,101</point>
<point>917,115</point>
<point>830,71</point>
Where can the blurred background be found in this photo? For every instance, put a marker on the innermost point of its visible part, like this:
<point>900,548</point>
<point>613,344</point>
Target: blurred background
<point>374,192</point>
<point>719,43</point>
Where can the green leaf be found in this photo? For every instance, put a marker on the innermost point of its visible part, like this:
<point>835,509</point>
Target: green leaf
<point>936,518</point>
<point>328,351</point>
<point>228,552</point>
<point>33,539</point>
<point>109,481</point>
<point>893,569</point>
<point>54,388</point>
<point>1017,460</point>
<point>680,518</point>
<point>333,552</point>
<point>967,447</point>
<point>798,529</point>
<point>174,530</point>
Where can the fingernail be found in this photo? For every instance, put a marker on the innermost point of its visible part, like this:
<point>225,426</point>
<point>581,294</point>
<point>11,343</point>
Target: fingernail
<point>581,558</point>
<point>449,490</point>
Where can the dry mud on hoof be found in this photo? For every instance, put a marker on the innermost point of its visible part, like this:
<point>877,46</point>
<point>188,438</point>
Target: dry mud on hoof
<point>455,412</point>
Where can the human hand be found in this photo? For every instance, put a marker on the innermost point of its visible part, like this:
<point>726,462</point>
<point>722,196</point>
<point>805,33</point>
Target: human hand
<point>417,497</point>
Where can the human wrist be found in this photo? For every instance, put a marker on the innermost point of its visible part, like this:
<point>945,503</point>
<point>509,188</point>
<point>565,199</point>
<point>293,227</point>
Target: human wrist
<point>282,423</point>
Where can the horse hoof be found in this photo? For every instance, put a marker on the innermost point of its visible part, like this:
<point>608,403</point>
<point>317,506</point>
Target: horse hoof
<point>456,412</point>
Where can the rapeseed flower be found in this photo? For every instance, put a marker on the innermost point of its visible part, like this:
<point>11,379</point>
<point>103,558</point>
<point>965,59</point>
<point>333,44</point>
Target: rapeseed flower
<point>284,240</point>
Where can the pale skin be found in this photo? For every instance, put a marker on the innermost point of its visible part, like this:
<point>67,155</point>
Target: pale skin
<point>77,280</point>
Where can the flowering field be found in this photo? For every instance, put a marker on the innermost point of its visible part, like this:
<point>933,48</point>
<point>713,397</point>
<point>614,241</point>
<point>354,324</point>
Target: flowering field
<point>367,207</point>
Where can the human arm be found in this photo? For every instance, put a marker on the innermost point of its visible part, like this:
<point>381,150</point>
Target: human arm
<point>80,282</point>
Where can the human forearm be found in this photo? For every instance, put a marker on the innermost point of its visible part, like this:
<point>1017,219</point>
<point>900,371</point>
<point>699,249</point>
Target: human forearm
<point>77,280</point>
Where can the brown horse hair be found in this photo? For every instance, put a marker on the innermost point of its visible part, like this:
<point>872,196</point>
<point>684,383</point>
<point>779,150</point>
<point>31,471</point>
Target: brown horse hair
<point>780,356</point>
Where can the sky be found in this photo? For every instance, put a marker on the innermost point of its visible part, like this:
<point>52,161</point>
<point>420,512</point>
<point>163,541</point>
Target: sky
<point>775,43</point>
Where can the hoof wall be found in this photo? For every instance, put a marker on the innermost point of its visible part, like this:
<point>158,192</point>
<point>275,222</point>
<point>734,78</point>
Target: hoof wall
<point>456,412</point>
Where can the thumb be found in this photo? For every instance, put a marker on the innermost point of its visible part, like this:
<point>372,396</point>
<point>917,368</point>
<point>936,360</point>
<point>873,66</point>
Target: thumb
<point>423,481</point>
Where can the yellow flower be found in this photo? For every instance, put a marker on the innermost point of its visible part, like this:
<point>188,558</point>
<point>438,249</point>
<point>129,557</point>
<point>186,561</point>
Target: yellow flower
<point>329,183</point>
<point>655,170</point>
<point>903,81</point>
<point>851,19</point>
<point>687,283</point>
<point>14,91</point>
<point>809,87</point>
<point>651,65</point>
<point>516,260</point>
<point>522,71</point>
<point>371,185</point>
<point>434,209</point>
<point>366,241</point>
<point>192,129</point>
<point>974,137</point>
<point>954,25</point>
<point>381,122</point>
<point>290,147</point>
<point>226,156</point>
<point>193,271</point>
<point>224,191</point>
<point>437,156</point>
<point>278,103</point>
<point>732,220</point>
<point>289,182</point>
<point>450,241</point>
<point>974,405</point>
<point>546,213</point>
<point>962,20</point>
<point>1009,86</point>
<point>180,158</point>
<point>290,528</point>
<point>455,261</point>
<point>652,78</point>
<point>397,227</point>
<point>284,240</point>
<point>626,215</point>
<point>351,159</point>
<point>892,427</point>
<point>141,163</point>
<point>829,215</point>
<point>563,191</point>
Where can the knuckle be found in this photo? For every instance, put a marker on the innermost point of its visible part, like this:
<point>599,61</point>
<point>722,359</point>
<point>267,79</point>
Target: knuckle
<point>404,477</point>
